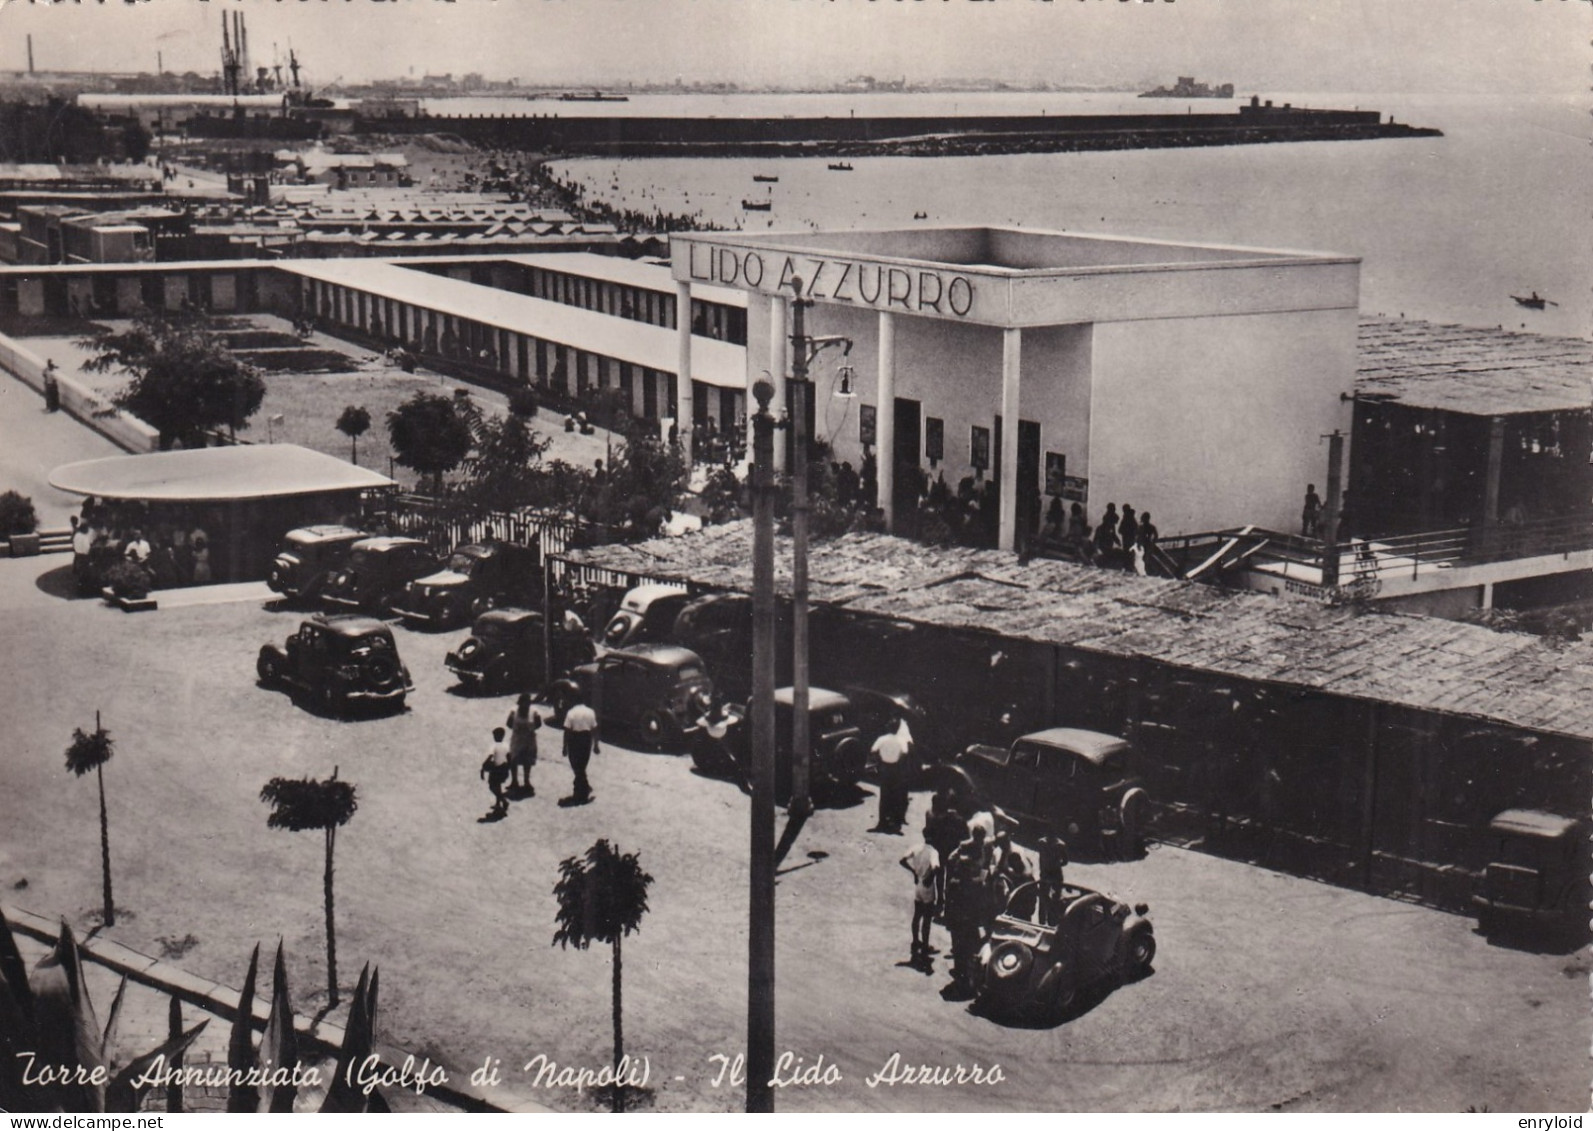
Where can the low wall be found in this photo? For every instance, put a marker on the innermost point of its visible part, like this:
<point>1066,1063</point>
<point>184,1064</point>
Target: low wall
<point>79,401</point>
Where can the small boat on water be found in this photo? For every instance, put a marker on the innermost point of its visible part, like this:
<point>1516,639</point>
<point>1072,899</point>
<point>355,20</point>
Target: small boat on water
<point>765,179</point>
<point>841,166</point>
<point>1534,301</point>
<point>757,205</point>
<point>594,96</point>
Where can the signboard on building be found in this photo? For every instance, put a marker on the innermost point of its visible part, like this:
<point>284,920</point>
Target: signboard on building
<point>1075,489</point>
<point>892,285</point>
<point>979,448</point>
<point>867,425</point>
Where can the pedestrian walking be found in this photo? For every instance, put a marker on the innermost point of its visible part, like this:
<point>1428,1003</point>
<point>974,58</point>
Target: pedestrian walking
<point>944,829</point>
<point>1128,528</point>
<point>924,863</point>
<point>495,769</point>
<point>580,743</point>
<point>891,749</point>
<point>523,724</point>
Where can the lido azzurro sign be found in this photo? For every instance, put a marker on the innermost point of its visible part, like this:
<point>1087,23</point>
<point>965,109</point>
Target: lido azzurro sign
<point>830,278</point>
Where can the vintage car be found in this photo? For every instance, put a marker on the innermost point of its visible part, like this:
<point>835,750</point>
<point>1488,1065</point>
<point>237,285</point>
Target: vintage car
<point>718,627</point>
<point>1076,784</point>
<point>933,742</point>
<point>646,616</point>
<point>1051,942</point>
<point>376,572</point>
<point>477,577</point>
<point>1535,885</point>
<point>654,691</point>
<point>721,743</point>
<point>506,651</point>
<point>339,661</point>
<point>310,555</point>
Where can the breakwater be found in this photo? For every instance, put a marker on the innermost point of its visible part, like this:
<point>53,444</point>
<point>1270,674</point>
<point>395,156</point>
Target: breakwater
<point>934,135</point>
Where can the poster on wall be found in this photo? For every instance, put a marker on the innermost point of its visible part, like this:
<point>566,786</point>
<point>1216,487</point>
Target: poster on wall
<point>979,448</point>
<point>1055,473</point>
<point>1075,488</point>
<point>867,425</point>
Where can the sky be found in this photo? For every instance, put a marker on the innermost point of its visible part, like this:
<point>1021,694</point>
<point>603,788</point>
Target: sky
<point>1440,46</point>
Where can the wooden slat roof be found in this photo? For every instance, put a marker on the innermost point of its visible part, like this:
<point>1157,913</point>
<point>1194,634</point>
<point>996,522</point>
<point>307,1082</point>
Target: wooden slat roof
<point>1411,661</point>
<point>1470,370</point>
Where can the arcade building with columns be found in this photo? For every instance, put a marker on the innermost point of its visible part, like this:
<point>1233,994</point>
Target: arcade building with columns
<point>1196,382</point>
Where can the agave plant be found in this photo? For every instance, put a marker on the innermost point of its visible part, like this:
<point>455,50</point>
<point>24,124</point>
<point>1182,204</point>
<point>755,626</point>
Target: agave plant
<point>358,1036</point>
<point>46,1015</point>
<point>279,1048</point>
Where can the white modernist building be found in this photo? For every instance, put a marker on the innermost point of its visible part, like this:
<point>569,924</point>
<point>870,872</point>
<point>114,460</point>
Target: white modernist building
<point>1195,382</point>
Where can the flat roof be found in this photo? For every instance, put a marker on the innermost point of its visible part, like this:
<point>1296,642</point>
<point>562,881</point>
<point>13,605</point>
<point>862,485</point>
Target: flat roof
<point>627,272</point>
<point>1470,370</point>
<point>713,362</point>
<point>246,471</point>
<point>1465,670</point>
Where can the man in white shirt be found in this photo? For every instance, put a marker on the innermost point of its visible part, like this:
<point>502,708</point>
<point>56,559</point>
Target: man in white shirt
<point>138,550</point>
<point>924,863</point>
<point>891,751</point>
<point>580,743</point>
<point>495,768</point>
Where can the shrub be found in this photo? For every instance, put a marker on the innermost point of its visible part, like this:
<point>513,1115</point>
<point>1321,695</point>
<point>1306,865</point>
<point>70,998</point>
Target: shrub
<point>128,581</point>
<point>523,401</point>
<point>17,515</point>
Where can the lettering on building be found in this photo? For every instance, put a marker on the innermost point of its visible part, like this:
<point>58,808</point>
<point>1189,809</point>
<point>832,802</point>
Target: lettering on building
<point>910,290</point>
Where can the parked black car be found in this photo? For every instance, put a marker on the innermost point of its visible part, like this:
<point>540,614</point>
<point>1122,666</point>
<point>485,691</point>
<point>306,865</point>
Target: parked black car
<point>654,691</point>
<point>718,627</point>
<point>338,660</point>
<point>477,577</point>
<point>1535,886</point>
<point>933,741</point>
<point>721,743</point>
<point>1048,945</point>
<point>1076,784</point>
<point>506,652</point>
<point>646,615</point>
<point>376,572</point>
<point>310,555</point>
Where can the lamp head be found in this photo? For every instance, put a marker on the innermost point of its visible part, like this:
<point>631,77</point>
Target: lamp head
<point>763,392</point>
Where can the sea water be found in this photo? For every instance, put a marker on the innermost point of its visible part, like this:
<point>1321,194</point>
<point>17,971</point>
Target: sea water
<point>1447,228</point>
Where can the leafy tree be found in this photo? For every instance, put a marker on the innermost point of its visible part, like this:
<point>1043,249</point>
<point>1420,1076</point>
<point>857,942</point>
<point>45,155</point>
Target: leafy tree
<point>431,435</point>
<point>299,804</point>
<point>503,470</point>
<point>523,401</point>
<point>182,380</point>
<point>602,898</point>
<point>354,423</point>
<point>91,752</point>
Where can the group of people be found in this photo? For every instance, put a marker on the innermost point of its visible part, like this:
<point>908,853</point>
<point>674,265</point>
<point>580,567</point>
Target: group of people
<point>171,554</point>
<point>515,752</point>
<point>1119,540</point>
<point>963,870</point>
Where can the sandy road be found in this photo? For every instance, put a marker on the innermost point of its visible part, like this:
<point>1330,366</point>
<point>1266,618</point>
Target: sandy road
<point>1269,991</point>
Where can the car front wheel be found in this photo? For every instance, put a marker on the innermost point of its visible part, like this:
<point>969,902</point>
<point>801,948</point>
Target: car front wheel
<point>268,668</point>
<point>1141,953</point>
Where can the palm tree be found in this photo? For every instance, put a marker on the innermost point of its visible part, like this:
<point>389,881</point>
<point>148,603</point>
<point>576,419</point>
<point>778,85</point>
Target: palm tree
<point>354,423</point>
<point>297,805</point>
<point>602,897</point>
<point>91,752</point>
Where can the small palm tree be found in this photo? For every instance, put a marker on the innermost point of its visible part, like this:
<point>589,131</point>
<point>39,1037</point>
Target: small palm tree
<point>354,423</point>
<point>602,898</point>
<point>327,805</point>
<point>91,752</point>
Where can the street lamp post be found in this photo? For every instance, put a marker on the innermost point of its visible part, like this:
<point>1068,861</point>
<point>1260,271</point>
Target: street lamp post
<point>760,909</point>
<point>799,396</point>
